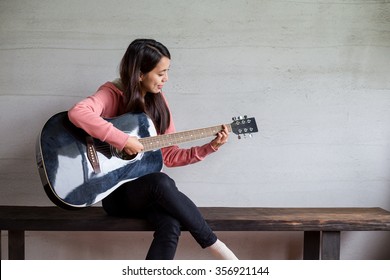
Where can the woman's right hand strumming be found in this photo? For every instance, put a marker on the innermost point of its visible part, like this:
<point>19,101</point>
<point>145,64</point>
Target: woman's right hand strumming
<point>133,146</point>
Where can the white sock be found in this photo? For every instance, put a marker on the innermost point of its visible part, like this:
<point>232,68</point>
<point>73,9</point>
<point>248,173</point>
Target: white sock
<point>220,251</point>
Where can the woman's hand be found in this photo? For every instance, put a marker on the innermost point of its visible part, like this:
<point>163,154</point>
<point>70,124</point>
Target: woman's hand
<point>133,146</point>
<point>221,138</point>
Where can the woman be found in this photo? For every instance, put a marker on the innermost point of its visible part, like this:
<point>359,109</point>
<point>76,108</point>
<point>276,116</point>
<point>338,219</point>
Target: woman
<point>143,73</point>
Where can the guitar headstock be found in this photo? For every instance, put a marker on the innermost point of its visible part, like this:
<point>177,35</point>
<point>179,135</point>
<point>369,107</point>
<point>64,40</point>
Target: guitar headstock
<point>244,126</point>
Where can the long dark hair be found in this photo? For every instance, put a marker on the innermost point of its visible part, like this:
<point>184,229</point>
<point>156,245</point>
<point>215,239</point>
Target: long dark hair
<point>141,57</point>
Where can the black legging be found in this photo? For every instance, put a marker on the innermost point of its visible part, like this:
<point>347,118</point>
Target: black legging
<point>156,198</point>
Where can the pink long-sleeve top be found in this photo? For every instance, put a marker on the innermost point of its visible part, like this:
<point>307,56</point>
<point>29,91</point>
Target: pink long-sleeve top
<point>107,102</point>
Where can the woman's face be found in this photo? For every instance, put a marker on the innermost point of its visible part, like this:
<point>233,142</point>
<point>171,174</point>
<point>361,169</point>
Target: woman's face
<point>154,80</point>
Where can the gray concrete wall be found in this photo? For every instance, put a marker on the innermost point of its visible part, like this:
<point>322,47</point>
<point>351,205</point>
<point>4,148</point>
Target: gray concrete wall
<point>315,74</point>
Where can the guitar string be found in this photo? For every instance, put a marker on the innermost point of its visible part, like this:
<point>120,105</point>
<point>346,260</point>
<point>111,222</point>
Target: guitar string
<point>173,139</point>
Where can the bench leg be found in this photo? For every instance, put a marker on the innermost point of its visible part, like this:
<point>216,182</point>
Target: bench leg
<point>16,244</point>
<point>330,245</point>
<point>311,245</point>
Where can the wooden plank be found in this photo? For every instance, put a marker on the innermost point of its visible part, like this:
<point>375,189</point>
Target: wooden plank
<point>302,218</point>
<point>219,218</point>
<point>311,245</point>
<point>330,249</point>
<point>32,218</point>
<point>16,244</point>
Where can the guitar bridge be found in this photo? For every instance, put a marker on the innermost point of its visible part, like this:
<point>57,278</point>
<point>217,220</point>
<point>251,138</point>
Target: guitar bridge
<point>92,155</point>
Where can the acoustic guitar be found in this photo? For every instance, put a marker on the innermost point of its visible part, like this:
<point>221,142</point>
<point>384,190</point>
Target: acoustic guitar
<point>77,170</point>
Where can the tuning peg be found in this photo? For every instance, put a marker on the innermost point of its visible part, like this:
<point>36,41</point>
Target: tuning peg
<point>239,137</point>
<point>234,119</point>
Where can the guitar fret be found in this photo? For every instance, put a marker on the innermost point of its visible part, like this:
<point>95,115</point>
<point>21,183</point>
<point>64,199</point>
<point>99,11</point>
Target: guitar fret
<point>166,140</point>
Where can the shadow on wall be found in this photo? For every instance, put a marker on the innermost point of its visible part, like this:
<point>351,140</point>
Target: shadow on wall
<point>354,245</point>
<point>265,245</point>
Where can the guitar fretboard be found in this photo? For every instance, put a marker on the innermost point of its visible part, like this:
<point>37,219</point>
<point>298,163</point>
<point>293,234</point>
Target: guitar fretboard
<point>166,140</point>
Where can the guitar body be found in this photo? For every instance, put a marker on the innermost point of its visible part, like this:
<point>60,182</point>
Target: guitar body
<point>64,161</point>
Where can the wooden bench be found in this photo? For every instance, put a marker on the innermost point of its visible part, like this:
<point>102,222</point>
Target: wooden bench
<point>321,226</point>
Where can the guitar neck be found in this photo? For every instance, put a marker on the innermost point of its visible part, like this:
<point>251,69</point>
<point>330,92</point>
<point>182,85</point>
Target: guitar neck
<point>166,140</point>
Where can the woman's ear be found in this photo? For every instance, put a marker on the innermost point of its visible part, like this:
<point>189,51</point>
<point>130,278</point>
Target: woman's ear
<point>141,76</point>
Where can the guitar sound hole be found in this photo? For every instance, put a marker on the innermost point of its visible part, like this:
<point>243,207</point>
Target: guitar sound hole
<point>122,155</point>
<point>128,157</point>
